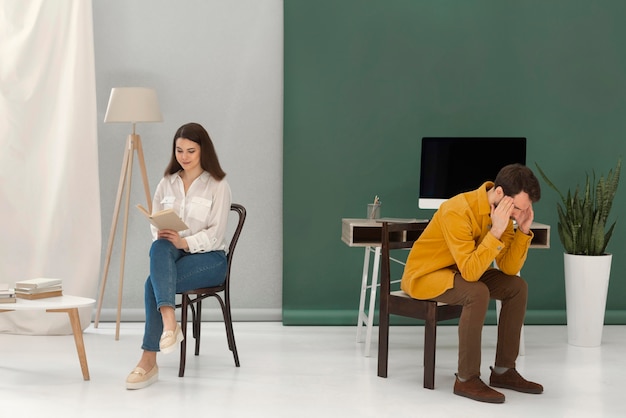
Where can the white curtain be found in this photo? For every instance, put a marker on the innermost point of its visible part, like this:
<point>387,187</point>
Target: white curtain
<point>49,190</point>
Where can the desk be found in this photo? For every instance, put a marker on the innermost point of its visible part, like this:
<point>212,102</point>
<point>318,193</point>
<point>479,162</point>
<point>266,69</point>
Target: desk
<point>66,303</point>
<point>357,232</point>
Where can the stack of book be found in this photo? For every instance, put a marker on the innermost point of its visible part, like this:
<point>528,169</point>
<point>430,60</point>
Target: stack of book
<point>39,288</point>
<point>7,294</point>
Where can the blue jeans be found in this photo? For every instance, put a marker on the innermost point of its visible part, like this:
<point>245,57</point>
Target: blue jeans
<point>171,271</point>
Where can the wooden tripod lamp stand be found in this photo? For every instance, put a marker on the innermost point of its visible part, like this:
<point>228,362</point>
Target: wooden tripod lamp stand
<point>129,105</point>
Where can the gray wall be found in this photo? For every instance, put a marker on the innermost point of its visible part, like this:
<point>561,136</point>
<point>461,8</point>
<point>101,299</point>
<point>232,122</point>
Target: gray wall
<point>218,63</point>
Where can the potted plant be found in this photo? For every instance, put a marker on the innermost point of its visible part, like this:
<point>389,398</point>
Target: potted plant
<point>582,227</point>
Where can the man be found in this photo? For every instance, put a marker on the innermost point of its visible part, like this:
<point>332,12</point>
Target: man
<point>452,262</point>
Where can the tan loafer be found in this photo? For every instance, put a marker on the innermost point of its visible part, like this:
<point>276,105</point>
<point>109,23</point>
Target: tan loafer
<point>170,339</point>
<point>139,378</point>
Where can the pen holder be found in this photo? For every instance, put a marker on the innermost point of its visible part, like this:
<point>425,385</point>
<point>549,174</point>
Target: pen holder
<point>373,211</point>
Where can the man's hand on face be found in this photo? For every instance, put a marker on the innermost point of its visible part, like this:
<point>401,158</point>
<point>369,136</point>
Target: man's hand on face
<point>524,219</point>
<point>500,215</point>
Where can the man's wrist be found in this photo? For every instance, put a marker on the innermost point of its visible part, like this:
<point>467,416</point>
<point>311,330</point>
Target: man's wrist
<point>497,235</point>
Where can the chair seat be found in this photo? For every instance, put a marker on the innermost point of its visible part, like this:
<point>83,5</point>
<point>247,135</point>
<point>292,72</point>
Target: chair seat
<point>403,294</point>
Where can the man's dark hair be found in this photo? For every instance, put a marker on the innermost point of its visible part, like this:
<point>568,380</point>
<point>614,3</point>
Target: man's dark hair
<point>517,178</point>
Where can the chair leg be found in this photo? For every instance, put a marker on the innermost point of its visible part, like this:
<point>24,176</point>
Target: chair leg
<point>197,321</point>
<point>228,324</point>
<point>183,344</point>
<point>192,306</point>
<point>230,335</point>
<point>383,343</point>
<point>430,343</point>
<point>226,315</point>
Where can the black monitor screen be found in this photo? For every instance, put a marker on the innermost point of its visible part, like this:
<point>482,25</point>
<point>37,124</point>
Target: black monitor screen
<point>450,166</point>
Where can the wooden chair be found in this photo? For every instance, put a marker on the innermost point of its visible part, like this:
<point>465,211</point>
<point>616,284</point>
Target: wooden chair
<point>196,296</point>
<point>401,236</point>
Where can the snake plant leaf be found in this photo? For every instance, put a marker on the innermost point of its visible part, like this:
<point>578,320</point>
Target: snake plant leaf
<point>583,214</point>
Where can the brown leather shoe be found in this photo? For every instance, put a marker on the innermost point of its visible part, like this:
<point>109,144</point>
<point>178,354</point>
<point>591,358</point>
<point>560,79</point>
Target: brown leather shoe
<point>511,379</point>
<point>477,390</point>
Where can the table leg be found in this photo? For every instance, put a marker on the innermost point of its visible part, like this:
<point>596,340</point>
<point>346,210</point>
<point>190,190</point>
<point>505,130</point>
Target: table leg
<point>78,338</point>
<point>362,317</point>
<point>371,312</point>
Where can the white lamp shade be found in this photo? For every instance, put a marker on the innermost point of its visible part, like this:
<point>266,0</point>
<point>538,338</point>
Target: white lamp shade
<point>133,104</point>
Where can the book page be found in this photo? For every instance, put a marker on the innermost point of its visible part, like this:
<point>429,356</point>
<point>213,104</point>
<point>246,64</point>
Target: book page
<point>165,219</point>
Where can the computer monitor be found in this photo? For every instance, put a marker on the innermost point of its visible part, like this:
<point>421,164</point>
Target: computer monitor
<point>453,165</point>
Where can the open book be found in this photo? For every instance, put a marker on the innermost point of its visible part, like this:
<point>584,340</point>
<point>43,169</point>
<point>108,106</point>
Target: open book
<point>164,219</point>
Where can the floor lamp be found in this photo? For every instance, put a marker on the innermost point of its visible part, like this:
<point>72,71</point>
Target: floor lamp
<point>129,105</point>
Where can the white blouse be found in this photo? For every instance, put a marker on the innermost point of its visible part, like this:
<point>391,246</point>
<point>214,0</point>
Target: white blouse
<point>204,209</point>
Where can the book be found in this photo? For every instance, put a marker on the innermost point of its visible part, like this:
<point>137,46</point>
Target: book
<point>6,290</point>
<point>37,283</point>
<point>32,296</point>
<point>38,289</point>
<point>164,219</point>
<point>7,294</point>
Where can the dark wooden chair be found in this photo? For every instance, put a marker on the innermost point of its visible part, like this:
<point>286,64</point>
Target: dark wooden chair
<point>196,296</point>
<point>401,236</point>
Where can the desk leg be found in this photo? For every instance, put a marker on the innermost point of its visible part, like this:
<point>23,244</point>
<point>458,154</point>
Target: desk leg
<point>362,318</point>
<point>372,308</point>
<point>78,338</point>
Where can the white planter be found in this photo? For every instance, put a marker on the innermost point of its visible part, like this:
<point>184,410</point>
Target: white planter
<point>586,287</point>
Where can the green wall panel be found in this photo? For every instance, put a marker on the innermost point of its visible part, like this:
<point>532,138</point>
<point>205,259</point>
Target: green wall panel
<point>365,80</point>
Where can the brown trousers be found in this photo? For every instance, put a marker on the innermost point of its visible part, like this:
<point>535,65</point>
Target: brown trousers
<point>474,296</point>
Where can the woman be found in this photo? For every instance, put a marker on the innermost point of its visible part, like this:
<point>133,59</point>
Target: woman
<point>195,188</point>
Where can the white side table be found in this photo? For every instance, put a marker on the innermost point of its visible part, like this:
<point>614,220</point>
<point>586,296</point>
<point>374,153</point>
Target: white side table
<point>65,303</point>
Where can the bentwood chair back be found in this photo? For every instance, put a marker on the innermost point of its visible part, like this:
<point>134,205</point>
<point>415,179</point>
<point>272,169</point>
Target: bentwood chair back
<point>192,300</point>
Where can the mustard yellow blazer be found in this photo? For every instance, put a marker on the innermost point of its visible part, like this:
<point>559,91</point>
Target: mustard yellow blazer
<point>457,239</point>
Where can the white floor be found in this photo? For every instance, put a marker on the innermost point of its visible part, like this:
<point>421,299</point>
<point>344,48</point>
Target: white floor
<point>302,372</point>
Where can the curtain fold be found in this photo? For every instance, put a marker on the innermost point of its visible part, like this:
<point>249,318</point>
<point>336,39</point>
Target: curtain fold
<point>49,187</point>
